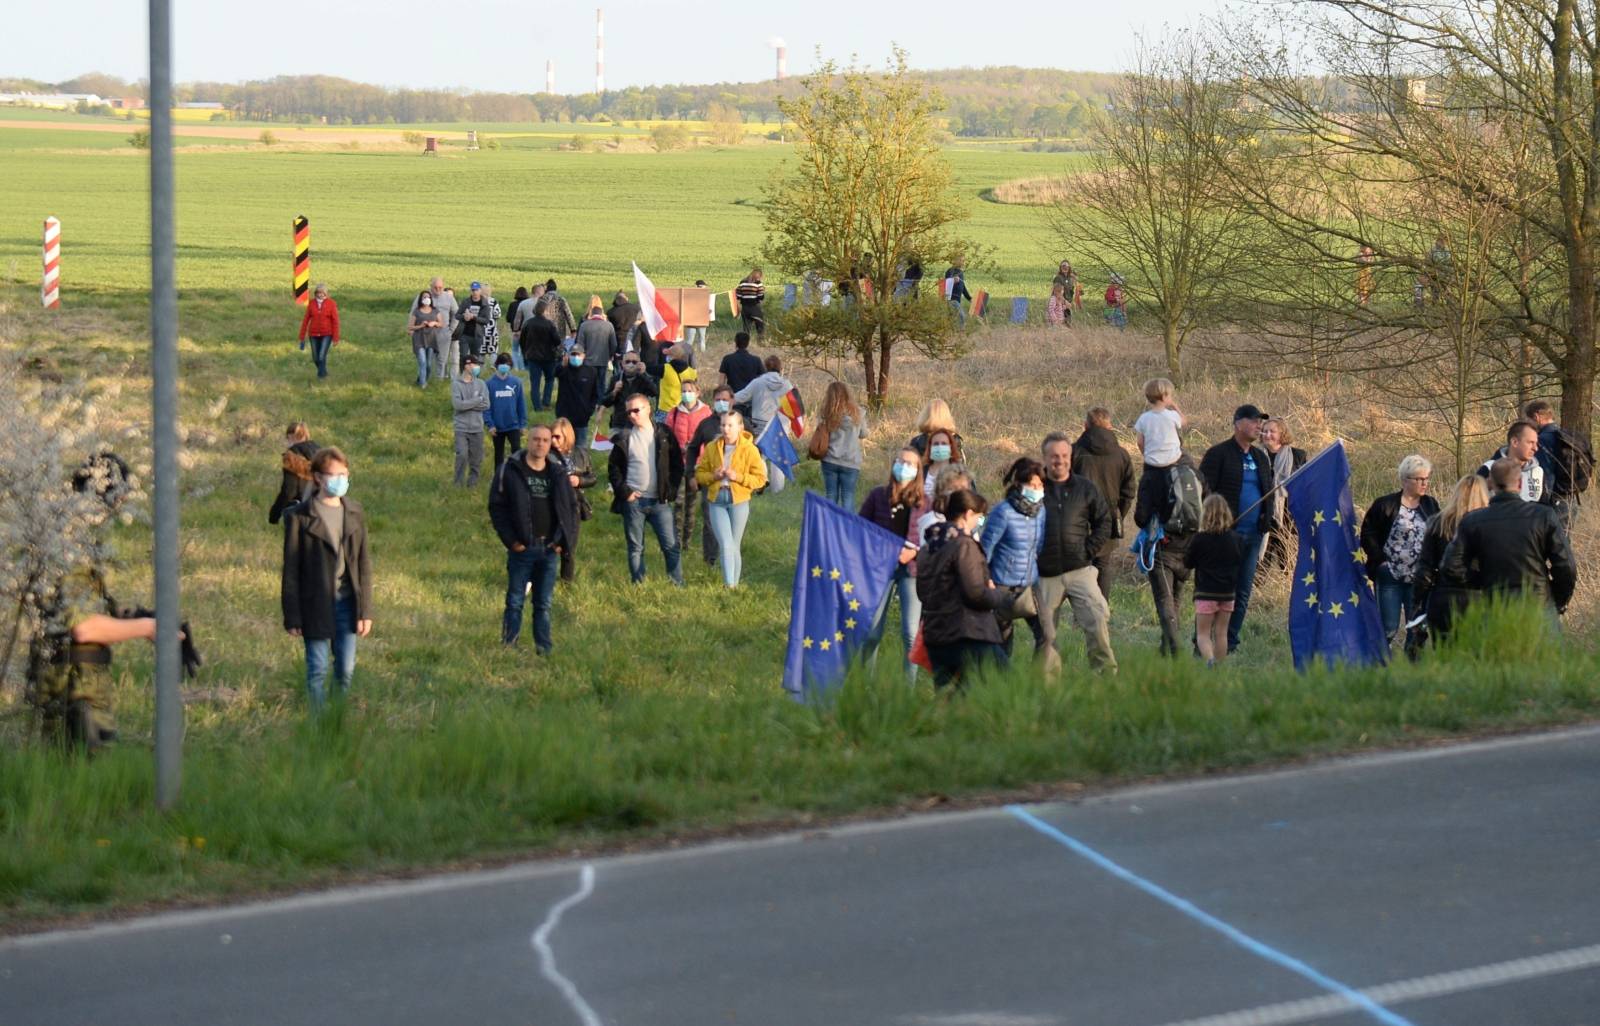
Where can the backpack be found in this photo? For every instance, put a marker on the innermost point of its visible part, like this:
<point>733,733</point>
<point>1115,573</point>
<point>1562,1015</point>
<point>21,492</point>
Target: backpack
<point>1572,464</point>
<point>1184,495</point>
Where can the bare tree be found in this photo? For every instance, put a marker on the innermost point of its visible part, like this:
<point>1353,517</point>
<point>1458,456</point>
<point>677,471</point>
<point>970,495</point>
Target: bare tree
<point>1147,206</point>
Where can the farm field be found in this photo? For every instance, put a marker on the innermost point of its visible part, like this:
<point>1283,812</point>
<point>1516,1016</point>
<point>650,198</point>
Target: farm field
<point>659,714</point>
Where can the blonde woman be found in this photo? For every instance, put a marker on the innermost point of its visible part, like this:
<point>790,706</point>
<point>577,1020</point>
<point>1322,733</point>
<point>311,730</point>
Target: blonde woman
<point>1437,593</point>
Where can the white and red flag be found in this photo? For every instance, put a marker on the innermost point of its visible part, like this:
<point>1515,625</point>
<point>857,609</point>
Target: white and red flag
<point>659,316</point>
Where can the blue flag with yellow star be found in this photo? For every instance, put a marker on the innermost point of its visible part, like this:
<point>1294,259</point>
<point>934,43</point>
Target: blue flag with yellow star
<point>774,444</point>
<point>841,574</point>
<point>1332,612</point>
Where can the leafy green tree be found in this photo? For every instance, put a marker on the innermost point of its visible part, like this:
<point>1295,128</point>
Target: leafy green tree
<point>868,191</point>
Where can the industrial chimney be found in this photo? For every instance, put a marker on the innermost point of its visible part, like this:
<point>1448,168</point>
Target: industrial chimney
<point>599,50</point>
<point>783,56</point>
<point>550,77</point>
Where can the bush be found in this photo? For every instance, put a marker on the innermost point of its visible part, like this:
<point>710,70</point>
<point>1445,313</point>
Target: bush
<point>413,138</point>
<point>219,116</point>
<point>669,137</point>
<point>140,140</point>
<point>266,138</point>
<point>578,142</point>
<point>490,143</point>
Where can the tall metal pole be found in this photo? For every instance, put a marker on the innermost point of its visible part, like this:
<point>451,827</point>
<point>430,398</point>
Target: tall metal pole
<point>164,408</point>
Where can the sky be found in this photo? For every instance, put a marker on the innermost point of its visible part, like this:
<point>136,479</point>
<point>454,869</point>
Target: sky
<point>502,46</point>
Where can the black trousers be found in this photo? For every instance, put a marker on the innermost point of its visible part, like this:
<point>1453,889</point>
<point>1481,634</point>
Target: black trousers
<point>501,438</point>
<point>1167,579</point>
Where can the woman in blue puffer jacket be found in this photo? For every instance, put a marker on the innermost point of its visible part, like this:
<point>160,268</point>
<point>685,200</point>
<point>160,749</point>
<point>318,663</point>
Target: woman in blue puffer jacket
<point>1013,535</point>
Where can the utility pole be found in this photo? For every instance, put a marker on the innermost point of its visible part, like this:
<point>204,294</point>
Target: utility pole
<point>164,409</point>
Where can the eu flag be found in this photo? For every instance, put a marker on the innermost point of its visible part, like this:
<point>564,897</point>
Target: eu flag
<point>774,444</point>
<point>841,574</point>
<point>1332,612</point>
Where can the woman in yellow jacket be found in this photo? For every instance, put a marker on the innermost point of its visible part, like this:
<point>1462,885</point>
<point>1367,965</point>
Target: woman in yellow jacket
<point>730,468</point>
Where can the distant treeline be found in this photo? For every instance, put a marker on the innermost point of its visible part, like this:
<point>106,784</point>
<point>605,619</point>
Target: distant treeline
<point>986,102</point>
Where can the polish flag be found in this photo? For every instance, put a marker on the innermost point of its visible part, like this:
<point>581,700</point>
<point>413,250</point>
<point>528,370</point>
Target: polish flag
<point>659,316</point>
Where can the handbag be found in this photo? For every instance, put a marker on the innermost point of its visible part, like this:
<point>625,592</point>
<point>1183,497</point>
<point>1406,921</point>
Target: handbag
<point>818,447</point>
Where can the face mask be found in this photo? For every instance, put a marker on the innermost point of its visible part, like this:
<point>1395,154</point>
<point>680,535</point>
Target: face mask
<point>904,472</point>
<point>475,369</point>
<point>720,406</point>
<point>1033,494</point>
<point>426,305</point>
<point>502,370</point>
<point>630,369</point>
<point>336,485</point>
<point>689,399</point>
<point>978,527</point>
<point>939,453</point>
<point>576,361</point>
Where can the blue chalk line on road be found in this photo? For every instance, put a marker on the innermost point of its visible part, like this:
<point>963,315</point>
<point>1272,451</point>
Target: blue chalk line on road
<point>547,958</point>
<point>1356,1000</point>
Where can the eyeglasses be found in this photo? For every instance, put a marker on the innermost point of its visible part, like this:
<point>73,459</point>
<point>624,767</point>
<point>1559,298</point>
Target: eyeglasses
<point>637,411</point>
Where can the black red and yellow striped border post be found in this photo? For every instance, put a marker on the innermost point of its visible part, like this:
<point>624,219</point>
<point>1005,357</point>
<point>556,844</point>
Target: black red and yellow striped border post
<point>302,260</point>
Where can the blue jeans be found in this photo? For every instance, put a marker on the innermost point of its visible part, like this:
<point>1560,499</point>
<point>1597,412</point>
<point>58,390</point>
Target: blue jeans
<point>839,484</point>
<point>693,335</point>
<point>422,356</point>
<point>320,344</point>
<point>539,565</point>
<point>516,358</point>
<point>340,650</point>
<point>547,372</point>
<point>1393,598</point>
<point>660,516</point>
<point>1253,543</point>
<point>961,314</point>
<point>903,584</point>
<point>727,523</point>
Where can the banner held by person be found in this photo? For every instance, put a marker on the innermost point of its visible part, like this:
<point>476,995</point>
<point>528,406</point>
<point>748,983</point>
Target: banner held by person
<point>1332,612</point>
<point>841,574</point>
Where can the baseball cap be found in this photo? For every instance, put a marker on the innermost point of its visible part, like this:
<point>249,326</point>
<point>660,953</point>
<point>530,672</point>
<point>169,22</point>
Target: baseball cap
<point>469,358</point>
<point>1247,412</point>
<point>477,284</point>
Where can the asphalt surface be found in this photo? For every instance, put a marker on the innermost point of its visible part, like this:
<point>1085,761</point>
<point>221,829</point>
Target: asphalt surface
<point>1253,900</point>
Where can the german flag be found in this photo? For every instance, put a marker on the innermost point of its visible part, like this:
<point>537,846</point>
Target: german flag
<point>794,411</point>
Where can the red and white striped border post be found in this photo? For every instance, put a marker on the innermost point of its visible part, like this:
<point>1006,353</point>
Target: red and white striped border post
<point>50,292</point>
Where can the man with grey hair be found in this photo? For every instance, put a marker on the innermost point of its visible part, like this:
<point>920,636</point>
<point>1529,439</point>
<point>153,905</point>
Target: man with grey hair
<point>445,359</point>
<point>1077,524</point>
<point>1511,546</point>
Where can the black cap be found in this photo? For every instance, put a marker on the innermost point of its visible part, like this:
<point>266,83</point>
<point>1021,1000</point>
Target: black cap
<point>1247,412</point>
<point>470,358</point>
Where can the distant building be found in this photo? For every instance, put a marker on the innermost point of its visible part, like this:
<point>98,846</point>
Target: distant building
<point>53,101</point>
<point>199,105</point>
<point>127,103</point>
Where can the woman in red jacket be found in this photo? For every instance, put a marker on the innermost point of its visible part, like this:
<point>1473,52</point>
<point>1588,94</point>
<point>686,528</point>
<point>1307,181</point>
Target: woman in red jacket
<point>321,324</point>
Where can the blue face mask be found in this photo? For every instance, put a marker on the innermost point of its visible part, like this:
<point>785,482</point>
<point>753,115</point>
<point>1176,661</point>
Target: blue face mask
<point>1033,494</point>
<point>978,527</point>
<point>576,361</point>
<point>720,406</point>
<point>502,370</point>
<point>939,453</point>
<point>904,472</point>
<point>475,369</point>
<point>336,485</point>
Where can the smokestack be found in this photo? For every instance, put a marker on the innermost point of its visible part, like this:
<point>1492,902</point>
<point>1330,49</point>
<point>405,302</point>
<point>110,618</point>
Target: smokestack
<point>783,56</point>
<point>550,77</point>
<point>599,50</point>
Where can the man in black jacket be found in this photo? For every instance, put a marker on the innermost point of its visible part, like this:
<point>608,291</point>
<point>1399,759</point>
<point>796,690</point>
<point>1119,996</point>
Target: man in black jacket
<point>473,319</point>
<point>534,510</point>
<point>1099,457</point>
<point>1240,471</point>
<point>623,315</point>
<point>1076,526</point>
<point>646,471</point>
<point>1512,546</point>
<point>541,354</point>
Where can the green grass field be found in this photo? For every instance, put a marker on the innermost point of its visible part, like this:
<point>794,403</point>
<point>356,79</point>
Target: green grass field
<point>660,712</point>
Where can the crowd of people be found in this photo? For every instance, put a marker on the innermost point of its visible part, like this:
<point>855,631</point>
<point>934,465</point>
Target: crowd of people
<point>969,569</point>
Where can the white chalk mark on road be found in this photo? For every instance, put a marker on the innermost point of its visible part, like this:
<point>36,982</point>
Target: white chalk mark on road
<point>547,958</point>
<point>1421,988</point>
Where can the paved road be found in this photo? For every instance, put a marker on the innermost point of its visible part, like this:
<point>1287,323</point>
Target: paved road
<point>1450,887</point>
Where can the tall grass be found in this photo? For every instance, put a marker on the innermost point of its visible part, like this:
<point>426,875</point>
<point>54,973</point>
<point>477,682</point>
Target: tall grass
<point>659,712</point>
